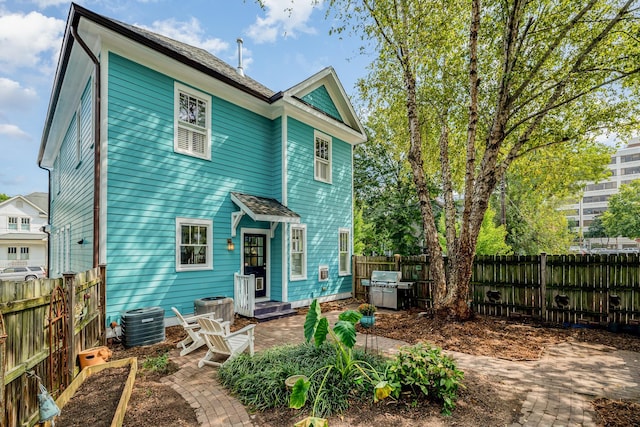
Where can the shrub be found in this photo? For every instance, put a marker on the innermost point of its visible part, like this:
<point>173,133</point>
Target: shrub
<point>258,381</point>
<point>367,309</point>
<point>425,371</point>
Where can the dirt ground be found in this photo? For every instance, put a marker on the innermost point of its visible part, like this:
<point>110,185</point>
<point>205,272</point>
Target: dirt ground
<point>483,401</point>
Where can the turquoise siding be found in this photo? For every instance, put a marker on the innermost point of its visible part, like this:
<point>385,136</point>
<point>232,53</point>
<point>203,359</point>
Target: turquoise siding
<point>149,186</point>
<point>72,193</point>
<point>320,99</point>
<point>306,196</point>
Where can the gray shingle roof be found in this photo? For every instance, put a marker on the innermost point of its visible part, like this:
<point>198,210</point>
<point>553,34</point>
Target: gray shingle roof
<point>201,56</point>
<point>262,206</point>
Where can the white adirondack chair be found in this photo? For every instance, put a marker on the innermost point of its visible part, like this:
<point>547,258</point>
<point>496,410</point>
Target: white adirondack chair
<point>220,341</point>
<point>194,340</point>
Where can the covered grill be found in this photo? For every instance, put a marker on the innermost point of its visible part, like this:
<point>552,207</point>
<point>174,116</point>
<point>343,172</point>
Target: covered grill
<point>383,290</point>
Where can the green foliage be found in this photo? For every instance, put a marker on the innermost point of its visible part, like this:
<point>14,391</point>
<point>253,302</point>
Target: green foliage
<point>491,240</point>
<point>385,197</point>
<point>596,228</point>
<point>258,381</point>
<point>157,364</point>
<point>349,368</point>
<point>424,371</point>
<point>3,197</point>
<point>622,217</point>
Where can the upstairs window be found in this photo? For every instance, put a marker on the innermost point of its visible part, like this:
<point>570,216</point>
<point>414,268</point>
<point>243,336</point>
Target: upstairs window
<point>322,163</point>
<point>344,252</point>
<point>192,122</point>
<point>13,223</point>
<point>25,224</point>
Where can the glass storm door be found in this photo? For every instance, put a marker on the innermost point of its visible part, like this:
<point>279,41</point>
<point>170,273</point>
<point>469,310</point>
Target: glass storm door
<point>255,261</point>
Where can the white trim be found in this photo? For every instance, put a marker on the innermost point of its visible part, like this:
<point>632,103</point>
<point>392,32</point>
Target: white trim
<point>322,268</point>
<point>179,88</point>
<point>180,221</point>
<point>284,123</point>
<point>305,252</point>
<point>267,273</point>
<point>78,142</point>
<point>317,135</point>
<point>104,158</point>
<point>349,249</point>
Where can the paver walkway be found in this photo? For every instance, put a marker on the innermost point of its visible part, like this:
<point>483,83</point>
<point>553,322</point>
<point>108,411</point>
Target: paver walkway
<point>558,388</point>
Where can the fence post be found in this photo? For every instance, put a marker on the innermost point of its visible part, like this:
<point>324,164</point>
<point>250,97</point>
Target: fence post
<point>102,303</point>
<point>70,290</point>
<point>397,258</point>
<point>543,285</point>
<point>3,338</point>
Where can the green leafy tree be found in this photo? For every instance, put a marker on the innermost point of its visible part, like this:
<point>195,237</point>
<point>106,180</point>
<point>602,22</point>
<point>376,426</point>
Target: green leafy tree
<point>469,88</point>
<point>622,217</point>
<point>596,228</point>
<point>3,197</point>
<point>491,240</point>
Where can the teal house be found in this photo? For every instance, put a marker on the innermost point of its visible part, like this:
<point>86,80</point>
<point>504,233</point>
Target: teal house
<point>188,179</point>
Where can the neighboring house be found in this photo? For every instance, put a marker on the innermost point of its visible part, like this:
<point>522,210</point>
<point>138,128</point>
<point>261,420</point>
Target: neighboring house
<point>22,239</point>
<point>624,167</point>
<point>176,170</point>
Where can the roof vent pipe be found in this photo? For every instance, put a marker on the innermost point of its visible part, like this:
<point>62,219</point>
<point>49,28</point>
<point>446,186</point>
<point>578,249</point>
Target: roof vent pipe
<point>240,70</point>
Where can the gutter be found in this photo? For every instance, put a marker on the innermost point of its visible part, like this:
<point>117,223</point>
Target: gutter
<point>96,144</point>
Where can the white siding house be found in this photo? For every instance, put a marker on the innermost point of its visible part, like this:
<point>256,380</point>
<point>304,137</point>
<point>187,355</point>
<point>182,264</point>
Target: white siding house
<point>22,240</point>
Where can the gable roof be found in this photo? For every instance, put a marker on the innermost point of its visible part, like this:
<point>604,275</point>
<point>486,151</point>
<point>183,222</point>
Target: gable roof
<point>39,201</point>
<point>194,57</point>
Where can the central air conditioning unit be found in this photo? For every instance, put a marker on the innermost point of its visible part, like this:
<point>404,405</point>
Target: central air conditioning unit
<point>143,326</point>
<point>221,306</point>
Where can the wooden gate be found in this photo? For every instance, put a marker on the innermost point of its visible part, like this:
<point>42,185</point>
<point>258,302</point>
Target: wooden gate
<point>58,350</point>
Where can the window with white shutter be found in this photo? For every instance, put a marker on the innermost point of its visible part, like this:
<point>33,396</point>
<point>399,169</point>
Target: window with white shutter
<point>298,252</point>
<point>192,122</point>
<point>344,251</point>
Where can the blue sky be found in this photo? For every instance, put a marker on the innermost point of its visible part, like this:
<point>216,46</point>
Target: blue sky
<point>283,45</point>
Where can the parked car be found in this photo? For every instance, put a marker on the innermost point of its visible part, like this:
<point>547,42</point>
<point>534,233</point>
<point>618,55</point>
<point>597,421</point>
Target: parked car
<point>22,273</point>
<point>630,250</point>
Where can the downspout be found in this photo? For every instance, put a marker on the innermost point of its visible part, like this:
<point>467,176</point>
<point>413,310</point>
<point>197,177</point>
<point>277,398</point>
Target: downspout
<point>96,139</point>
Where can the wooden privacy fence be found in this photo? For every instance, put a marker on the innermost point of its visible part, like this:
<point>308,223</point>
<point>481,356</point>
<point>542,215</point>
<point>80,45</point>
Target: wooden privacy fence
<point>35,343</point>
<point>567,289</point>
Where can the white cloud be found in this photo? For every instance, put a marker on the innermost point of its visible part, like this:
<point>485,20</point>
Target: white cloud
<point>13,131</point>
<point>25,38</point>
<point>13,96</point>
<point>46,3</point>
<point>188,32</point>
<point>283,18</point>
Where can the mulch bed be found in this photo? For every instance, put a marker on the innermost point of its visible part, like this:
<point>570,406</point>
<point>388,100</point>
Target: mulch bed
<point>485,401</point>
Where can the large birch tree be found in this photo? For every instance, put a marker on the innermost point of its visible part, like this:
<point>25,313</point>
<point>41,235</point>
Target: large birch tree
<point>479,85</point>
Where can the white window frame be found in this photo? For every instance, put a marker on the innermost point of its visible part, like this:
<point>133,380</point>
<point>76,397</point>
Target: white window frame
<point>25,221</point>
<point>209,246</point>
<point>12,253</point>
<point>302,229</point>
<point>318,160</point>
<point>12,223</point>
<point>344,270</point>
<point>191,128</point>
<point>24,253</point>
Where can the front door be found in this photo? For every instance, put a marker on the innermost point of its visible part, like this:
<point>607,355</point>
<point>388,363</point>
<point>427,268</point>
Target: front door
<point>255,261</point>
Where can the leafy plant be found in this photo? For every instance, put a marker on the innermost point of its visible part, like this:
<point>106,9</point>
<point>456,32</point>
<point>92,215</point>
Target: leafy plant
<point>259,381</point>
<point>343,338</point>
<point>157,364</point>
<point>367,309</point>
<point>425,371</point>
